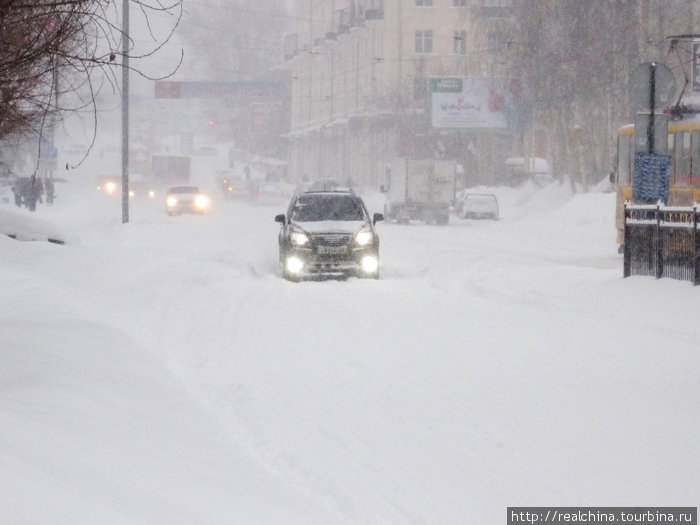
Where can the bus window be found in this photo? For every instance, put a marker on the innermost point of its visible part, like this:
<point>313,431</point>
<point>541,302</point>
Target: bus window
<point>695,157</point>
<point>681,159</point>
<point>670,143</point>
<point>623,159</point>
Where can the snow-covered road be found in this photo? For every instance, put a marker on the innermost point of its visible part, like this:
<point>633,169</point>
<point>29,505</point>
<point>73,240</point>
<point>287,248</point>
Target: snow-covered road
<point>494,364</point>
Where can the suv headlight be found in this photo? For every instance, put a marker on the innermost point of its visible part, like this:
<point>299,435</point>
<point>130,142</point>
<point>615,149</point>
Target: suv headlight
<point>299,238</point>
<point>171,201</point>
<point>364,237</point>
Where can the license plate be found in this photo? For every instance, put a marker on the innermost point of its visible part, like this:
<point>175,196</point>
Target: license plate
<point>332,250</point>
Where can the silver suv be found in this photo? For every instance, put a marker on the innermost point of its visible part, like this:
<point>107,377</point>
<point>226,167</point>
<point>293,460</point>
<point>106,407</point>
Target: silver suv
<point>328,233</point>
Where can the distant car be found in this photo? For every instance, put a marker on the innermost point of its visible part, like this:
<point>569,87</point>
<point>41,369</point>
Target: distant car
<point>476,206</point>
<point>273,193</point>
<point>232,186</point>
<point>185,199</point>
<point>109,185</point>
<point>141,190</point>
<point>328,234</point>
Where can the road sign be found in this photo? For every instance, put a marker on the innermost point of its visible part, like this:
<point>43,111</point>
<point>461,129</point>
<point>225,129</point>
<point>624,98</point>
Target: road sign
<point>642,121</point>
<point>640,86</point>
<point>651,177</point>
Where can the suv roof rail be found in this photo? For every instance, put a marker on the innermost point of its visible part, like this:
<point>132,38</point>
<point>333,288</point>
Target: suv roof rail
<point>330,190</point>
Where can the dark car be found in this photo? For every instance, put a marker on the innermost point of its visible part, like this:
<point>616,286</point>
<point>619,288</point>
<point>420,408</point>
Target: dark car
<point>328,234</point>
<point>234,187</point>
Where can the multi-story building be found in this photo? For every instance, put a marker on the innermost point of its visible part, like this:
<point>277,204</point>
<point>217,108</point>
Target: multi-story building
<point>360,93</point>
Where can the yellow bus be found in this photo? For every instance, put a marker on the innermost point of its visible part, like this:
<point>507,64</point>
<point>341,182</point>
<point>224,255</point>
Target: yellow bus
<point>684,149</point>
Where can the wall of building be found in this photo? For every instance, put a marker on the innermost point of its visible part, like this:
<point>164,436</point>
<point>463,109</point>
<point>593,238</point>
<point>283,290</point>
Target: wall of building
<point>359,85</point>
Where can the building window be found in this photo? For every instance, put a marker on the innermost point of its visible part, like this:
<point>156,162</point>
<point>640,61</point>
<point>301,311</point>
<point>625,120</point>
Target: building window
<point>460,43</point>
<point>424,3</point>
<point>424,41</point>
<point>459,3</point>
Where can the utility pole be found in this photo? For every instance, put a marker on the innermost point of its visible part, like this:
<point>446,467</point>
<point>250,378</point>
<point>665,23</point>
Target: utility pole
<point>652,107</point>
<point>125,111</point>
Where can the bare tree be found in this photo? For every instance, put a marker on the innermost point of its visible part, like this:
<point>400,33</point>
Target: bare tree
<point>49,48</point>
<point>571,61</point>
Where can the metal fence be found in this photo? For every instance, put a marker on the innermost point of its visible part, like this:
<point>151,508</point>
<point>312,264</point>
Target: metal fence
<point>662,241</point>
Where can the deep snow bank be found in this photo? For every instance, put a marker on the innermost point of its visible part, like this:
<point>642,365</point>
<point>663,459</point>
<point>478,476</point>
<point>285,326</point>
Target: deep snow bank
<point>94,430</point>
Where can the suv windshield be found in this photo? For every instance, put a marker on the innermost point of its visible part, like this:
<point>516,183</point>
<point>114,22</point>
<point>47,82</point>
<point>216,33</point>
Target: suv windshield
<point>310,208</point>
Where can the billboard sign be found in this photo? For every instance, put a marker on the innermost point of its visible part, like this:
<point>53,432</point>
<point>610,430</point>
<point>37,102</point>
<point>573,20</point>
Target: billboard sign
<point>467,103</point>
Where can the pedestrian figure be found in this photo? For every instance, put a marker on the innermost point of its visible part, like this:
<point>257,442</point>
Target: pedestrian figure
<point>29,192</point>
<point>38,189</point>
<point>49,191</point>
<point>17,192</point>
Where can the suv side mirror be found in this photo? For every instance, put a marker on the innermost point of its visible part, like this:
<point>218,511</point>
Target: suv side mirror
<point>377,217</point>
<point>280,218</point>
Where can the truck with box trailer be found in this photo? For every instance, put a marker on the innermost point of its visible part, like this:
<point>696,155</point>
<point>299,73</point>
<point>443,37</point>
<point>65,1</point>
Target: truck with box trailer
<point>419,189</point>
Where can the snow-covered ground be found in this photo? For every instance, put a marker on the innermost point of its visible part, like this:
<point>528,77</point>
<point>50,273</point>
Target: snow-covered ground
<point>162,372</point>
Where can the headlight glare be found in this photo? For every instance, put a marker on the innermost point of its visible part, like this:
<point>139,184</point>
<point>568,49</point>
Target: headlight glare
<point>201,201</point>
<point>299,238</point>
<point>370,264</point>
<point>171,201</point>
<point>294,264</point>
<point>363,238</point>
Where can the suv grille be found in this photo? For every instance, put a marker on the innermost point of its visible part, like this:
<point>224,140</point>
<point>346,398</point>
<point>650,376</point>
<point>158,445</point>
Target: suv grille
<point>337,239</point>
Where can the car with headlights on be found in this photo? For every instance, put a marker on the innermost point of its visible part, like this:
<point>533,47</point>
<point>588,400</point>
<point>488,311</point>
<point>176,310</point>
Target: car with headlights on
<point>185,199</point>
<point>109,185</point>
<point>328,234</point>
<point>141,190</point>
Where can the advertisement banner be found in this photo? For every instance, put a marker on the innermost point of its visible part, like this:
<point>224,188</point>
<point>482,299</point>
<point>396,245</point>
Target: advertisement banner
<point>467,103</point>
